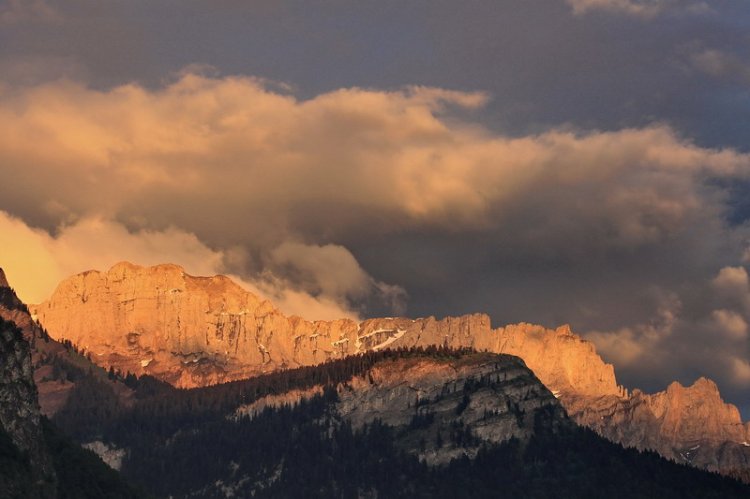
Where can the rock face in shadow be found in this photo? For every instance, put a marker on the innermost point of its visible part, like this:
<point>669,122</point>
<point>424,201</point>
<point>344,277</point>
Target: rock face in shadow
<point>492,398</point>
<point>474,399</point>
<point>197,331</point>
<point>36,460</point>
<point>20,416</point>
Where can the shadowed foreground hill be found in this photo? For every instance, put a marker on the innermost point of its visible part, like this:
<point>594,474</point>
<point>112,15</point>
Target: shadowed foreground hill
<point>196,331</point>
<point>426,423</point>
<point>36,460</point>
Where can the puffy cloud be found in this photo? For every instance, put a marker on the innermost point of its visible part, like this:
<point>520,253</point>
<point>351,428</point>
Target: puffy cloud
<point>331,270</point>
<point>318,202</point>
<point>721,64</point>
<point>730,324</point>
<point>741,370</point>
<point>708,338</point>
<point>35,262</point>
<point>640,344</point>
<point>732,284</point>
<point>639,8</point>
<point>227,151</point>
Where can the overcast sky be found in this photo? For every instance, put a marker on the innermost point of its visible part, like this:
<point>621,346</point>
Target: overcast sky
<point>546,161</point>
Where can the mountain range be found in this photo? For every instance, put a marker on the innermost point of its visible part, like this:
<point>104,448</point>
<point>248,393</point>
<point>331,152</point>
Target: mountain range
<point>198,331</point>
<point>149,367</point>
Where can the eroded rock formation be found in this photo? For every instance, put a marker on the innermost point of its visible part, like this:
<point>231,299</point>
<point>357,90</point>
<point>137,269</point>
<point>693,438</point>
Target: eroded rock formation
<point>19,413</point>
<point>491,397</point>
<point>690,425</point>
<point>196,331</point>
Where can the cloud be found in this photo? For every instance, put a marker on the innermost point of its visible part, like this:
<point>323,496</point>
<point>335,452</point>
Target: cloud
<point>318,202</point>
<point>640,344</point>
<point>686,342</point>
<point>721,64</point>
<point>331,270</point>
<point>35,262</point>
<point>730,324</point>
<point>732,284</point>
<point>267,162</point>
<point>23,11</point>
<point>647,9</point>
<point>741,370</point>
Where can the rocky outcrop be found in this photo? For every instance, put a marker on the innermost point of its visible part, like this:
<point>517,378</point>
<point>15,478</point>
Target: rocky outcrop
<point>490,397</point>
<point>56,367</point>
<point>691,425</point>
<point>197,331</point>
<point>452,406</point>
<point>19,410</point>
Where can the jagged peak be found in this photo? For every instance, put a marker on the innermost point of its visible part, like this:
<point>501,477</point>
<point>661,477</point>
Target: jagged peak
<point>565,330</point>
<point>3,279</point>
<point>125,266</point>
<point>702,385</point>
<point>705,383</point>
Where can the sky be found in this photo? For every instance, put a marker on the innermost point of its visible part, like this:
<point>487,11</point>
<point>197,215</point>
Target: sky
<point>547,161</point>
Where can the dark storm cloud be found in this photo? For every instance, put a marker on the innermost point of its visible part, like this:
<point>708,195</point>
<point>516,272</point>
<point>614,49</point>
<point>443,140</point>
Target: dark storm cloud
<point>585,170</point>
<point>543,64</point>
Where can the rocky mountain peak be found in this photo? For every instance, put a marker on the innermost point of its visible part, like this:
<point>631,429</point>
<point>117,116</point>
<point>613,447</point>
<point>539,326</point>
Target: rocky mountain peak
<point>3,279</point>
<point>196,331</point>
<point>693,412</point>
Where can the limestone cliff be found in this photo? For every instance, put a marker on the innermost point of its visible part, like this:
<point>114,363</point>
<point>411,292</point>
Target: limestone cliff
<point>56,367</point>
<point>19,414</point>
<point>491,398</point>
<point>196,331</point>
<point>691,425</point>
<point>494,397</point>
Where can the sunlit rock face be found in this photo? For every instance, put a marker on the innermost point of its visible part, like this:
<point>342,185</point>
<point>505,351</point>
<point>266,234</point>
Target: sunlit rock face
<point>196,331</point>
<point>691,425</point>
<point>53,385</point>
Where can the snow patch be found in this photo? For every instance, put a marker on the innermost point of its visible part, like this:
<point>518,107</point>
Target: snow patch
<point>399,334</point>
<point>146,362</point>
<point>378,331</point>
<point>290,398</point>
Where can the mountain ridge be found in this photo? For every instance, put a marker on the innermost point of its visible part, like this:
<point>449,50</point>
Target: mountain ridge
<point>431,422</point>
<point>163,314</point>
<point>198,331</point>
